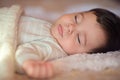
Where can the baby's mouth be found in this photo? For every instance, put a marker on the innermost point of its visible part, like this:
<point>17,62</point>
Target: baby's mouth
<point>60,30</point>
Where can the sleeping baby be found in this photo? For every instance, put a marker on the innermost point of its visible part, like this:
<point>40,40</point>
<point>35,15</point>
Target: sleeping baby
<point>96,30</point>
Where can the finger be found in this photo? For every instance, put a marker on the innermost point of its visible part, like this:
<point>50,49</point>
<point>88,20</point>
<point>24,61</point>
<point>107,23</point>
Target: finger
<point>29,70</point>
<point>43,71</point>
<point>49,68</point>
<point>36,72</point>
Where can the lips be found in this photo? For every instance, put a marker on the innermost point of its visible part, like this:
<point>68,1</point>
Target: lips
<point>60,30</point>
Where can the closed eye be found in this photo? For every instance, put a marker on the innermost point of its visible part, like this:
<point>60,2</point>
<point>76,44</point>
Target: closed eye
<point>76,19</point>
<point>78,38</point>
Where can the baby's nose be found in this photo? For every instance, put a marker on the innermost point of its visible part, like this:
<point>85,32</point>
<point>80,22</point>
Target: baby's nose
<point>71,28</point>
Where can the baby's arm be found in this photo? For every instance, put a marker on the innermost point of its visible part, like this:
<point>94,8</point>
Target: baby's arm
<point>38,69</point>
<point>30,61</point>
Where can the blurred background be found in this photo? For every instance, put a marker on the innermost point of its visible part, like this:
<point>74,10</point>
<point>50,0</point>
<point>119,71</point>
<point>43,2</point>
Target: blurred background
<point>52,9</point>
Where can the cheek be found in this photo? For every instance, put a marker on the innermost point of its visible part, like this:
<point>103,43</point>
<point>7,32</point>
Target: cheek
<point>64,19</point>
<point>68,46</point>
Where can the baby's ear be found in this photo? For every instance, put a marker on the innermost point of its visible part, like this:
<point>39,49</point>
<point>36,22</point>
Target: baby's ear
<point>8,40</point>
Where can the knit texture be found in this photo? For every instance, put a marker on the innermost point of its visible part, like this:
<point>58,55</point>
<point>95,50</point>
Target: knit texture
<point>9,17</point>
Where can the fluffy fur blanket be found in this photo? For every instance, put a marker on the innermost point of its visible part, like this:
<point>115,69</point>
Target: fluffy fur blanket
<point>9,18</point>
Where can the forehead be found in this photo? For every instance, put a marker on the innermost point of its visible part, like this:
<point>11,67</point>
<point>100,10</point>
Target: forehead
<point>96,36</point>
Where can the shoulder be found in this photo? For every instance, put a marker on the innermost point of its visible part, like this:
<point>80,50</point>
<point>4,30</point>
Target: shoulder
<point>33,19</point>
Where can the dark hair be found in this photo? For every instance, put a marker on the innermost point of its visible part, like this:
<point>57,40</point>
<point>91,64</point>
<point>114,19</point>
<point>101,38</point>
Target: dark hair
<point>111,24</point>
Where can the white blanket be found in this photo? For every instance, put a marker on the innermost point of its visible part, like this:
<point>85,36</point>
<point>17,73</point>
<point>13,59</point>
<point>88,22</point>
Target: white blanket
<point>8,39</point>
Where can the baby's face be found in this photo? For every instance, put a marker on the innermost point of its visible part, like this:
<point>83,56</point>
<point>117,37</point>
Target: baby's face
<point>78,32</point>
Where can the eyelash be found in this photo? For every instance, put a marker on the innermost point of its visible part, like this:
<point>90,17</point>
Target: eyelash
<point>78,38</point>
<point>76,18</point>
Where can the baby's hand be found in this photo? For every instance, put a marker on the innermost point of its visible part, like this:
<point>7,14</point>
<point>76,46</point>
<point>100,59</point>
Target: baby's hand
<point>38,69</point>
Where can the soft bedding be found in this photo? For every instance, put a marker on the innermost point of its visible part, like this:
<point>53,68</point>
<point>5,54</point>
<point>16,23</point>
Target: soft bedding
<point>100,66</point>
<point>8,40</point>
